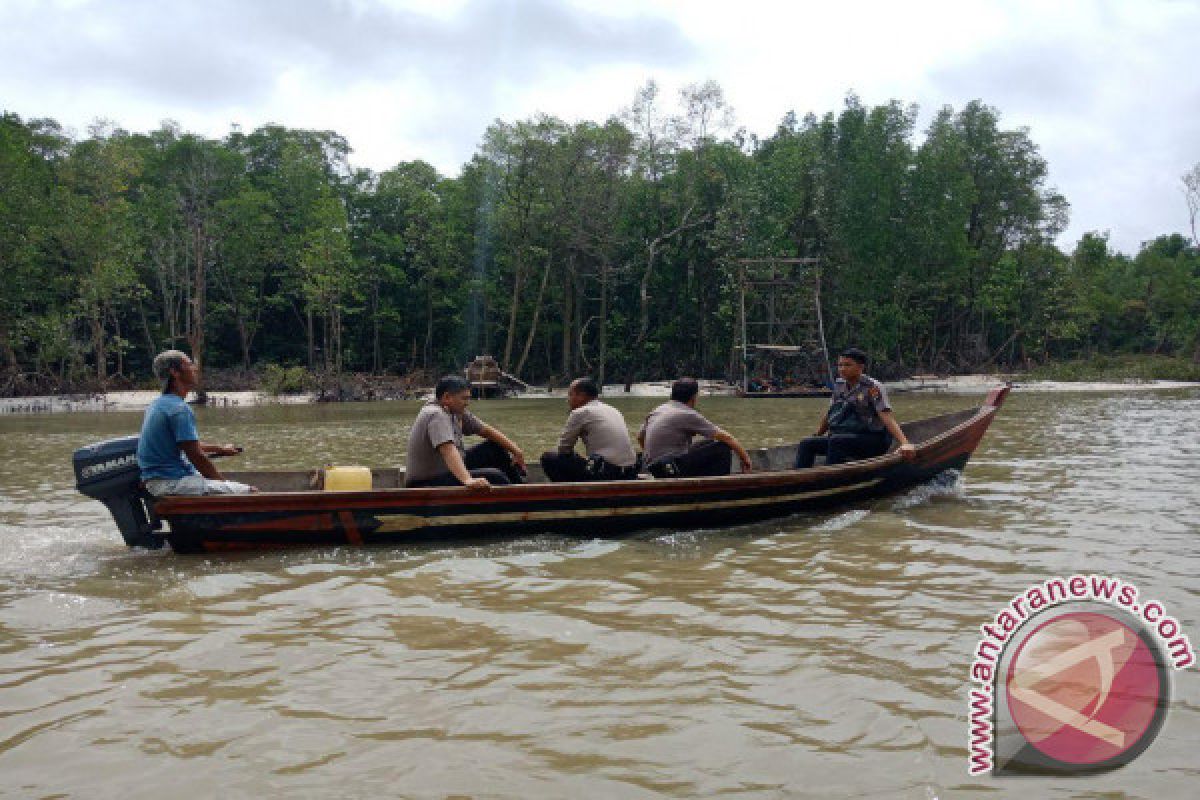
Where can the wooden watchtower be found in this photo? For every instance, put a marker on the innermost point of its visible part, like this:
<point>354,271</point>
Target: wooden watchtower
<point>779,317</point>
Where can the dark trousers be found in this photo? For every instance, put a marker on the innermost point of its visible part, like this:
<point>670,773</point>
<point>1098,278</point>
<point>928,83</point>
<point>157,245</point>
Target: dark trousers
<point>484,460</point>
<point>572,467</point>
<point>703,461</point>
<point>838,448</point>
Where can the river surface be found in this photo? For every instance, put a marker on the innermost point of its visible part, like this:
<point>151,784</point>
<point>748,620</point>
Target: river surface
<point>823,655</point>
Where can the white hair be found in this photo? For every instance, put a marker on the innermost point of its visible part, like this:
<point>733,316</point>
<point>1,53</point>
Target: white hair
<point>166,361</point>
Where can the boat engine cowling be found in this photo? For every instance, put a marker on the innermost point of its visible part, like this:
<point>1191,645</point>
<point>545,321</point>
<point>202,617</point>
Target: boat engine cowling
<point>108,471</point>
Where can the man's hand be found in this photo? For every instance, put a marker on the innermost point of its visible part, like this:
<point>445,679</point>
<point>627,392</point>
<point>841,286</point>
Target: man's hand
<point>747,467</point>
<point>229,450</point>
<point>908,451</point>
<point>478,484</point>
<point>514,452</point>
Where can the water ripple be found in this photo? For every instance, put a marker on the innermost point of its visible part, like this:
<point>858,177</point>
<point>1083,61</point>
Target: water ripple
<point>820,655</point>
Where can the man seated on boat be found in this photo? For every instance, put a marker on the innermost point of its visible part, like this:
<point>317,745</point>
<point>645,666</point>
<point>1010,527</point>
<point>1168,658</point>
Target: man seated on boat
<point>610,453</point>
<point>858,422</point>
<point>666,439</point>
<point>436,456</point>
<point>170,454</point>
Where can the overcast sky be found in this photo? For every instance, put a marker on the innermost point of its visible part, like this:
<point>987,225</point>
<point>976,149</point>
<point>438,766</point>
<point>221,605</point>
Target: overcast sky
<point>1109,90</point>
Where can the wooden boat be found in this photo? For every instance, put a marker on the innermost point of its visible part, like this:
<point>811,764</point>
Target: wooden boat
<point>287,512</point>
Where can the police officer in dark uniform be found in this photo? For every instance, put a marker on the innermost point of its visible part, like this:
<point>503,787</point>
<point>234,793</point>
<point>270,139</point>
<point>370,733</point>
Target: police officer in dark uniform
<point>859,419</point>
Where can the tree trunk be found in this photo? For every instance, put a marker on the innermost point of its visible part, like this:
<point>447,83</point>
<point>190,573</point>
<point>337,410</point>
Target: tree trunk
<point>312,352</point>
<point>537,310</point>
<point>199,283</point>
<point>327,355</point>
<point>580,292</point>
<point>244,338</point>
<point>337,348</point>
<point>427,350</point>
<point>376,354</point>
<point>602,361</point>
<point>151,350</point>
<point>644,294</point>
<point>652,248</point>
<point>6,348</point>
<point>568,307</point>
<point>116,320</point>
<point>510,338</point>
<point>97,325</point>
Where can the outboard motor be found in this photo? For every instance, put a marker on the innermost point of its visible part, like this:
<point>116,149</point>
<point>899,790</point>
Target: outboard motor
<point>108,471</point>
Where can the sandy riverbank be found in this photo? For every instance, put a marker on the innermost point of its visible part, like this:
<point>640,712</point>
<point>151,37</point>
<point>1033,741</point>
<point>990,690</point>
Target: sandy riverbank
<point>135,401</point>
<point>957,384</point>
<point>979,384</point>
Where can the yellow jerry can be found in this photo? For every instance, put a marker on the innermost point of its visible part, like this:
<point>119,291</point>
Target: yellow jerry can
<point>347,479</point>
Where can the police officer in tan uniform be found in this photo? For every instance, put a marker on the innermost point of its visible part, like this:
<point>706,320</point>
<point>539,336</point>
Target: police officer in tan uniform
<point>610,454</point>
<point>666,439</point>
<point>436,454</point>
<point>858,422</point>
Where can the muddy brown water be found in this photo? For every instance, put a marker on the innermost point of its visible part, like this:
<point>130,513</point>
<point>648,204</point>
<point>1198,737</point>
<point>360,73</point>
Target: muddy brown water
<point>822,655</point>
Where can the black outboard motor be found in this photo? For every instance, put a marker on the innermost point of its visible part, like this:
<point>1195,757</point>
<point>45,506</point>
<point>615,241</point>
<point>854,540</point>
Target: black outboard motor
<point>108,471</point>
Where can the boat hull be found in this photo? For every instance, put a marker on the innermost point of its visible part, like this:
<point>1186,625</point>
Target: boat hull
<point>394,516</point>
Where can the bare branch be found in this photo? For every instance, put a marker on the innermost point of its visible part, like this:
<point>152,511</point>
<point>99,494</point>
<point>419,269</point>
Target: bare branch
<point>1191,192</point>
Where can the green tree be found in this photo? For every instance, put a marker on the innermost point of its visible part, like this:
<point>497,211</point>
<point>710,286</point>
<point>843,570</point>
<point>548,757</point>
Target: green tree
<point>96,239</point>
<point>29,198</point>
<point>329,282</point>
<point>249,250</point>
<point>302,172</point>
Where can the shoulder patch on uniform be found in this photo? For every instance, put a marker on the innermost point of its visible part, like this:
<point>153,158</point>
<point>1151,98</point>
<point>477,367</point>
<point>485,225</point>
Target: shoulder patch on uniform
<point>874,391</point>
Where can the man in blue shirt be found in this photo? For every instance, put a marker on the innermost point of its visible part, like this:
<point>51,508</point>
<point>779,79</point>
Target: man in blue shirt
<point>170,454</point>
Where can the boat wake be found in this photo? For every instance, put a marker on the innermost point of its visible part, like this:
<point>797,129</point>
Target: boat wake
<point>839,522</point>
<point>948,484</point>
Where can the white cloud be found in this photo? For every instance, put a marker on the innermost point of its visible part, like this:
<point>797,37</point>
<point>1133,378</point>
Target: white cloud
<point>1108,89</point>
